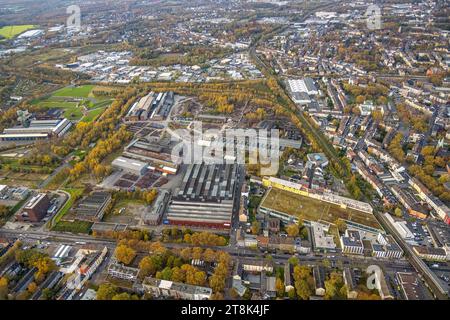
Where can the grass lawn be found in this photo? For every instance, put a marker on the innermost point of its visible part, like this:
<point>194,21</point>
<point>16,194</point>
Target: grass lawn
<point>69,203</point>
<point>315,210</point>
<point>76,92</point>
<point>93,115</point>
<point>73,113</point>
<point>57,104</point>
<point>71,109</point>
<point>10,32</point>
<point>102,103</point>
<point>76,226</point>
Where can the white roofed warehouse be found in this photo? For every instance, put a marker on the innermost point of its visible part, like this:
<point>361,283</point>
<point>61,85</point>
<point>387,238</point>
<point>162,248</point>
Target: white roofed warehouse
<point>130,165</point>
<point>37,130</point>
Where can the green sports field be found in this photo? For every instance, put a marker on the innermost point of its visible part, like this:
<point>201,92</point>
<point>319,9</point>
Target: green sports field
<point>10,32</point>
<point>314,210</point>
<point>74,92</point>
<point>79,103</point>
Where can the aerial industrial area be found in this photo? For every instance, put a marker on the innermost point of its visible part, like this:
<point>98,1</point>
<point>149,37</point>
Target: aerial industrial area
<point>136,139</point>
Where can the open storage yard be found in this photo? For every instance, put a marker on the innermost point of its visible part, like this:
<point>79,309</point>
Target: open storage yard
<point>126,212</point>
<point>314,210</point>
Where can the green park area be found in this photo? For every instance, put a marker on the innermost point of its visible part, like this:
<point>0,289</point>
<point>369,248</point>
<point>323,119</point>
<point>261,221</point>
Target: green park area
<point>74,195</point>
<point>76,226</point>
<point>10,32</point>
<point>79,103</point>
<point>314,210</point>
<point>62,223</point>
<point>74,92</point>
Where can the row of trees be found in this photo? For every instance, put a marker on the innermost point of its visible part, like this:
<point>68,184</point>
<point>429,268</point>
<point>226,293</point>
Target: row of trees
<point>218,278</point>
<point>205,239</point>
<point>335,288</point>
<point>92,162</point>
<point>184,274</point>
<point>22,169</point>
<point>435,185</point>
<point>175,234</point>
<point>396,147</point>
<point>127,235</point>
<point>39,159</point>
<point>303,283</point>
<point>258,115</point>
<point>297,229</point>
<point>197,253</point>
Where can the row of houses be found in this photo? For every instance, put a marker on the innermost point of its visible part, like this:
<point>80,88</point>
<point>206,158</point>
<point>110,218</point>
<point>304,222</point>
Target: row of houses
<point>441,209</point>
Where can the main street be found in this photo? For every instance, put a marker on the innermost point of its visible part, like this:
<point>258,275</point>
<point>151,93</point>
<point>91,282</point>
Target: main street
<point>240,253</point>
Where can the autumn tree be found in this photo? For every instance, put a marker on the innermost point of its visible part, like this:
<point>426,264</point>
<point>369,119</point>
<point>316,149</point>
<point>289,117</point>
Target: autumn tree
<point>124,296</point>
<point>106,291</point>
<point>292,230</point>
<point>341,225</point>
<point>256,226</point>
<point>335,288</point>
<point>293,260</point>
<point>279,286</point>
<point>124,254</point>
<point>217,296</point>
<point>147,266</point>
<point>209,255</point>
<point>3,288</point>
<point>32,287</point>
<point>303,282</point>
<point>218,279</point>
<point>186,253</point>
<point>292,294</point>
<point>395,147</point>
<point>197,253</point>
<point>4,211</point>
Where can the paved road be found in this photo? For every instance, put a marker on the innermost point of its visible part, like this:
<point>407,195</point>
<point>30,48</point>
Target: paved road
<point>430,277</point>
<point>64,165</point>
<point>279,258</point>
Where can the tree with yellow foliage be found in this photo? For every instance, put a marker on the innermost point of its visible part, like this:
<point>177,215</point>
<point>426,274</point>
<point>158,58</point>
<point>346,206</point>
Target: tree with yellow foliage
<point>292,230</point>
<point>124,254</point>
<point>3,288</point>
